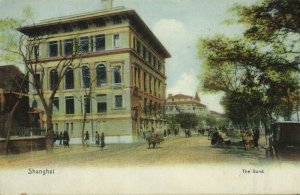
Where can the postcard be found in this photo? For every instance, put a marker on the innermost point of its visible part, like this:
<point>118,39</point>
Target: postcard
<point>149,97</point>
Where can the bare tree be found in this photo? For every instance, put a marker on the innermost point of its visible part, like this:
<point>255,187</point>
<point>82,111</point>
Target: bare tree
<point>28,50</point>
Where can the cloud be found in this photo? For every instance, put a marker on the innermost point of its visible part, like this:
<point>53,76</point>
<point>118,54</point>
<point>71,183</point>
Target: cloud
<point>212,101</point>
<point>175,36</point>
<point>186,84</point>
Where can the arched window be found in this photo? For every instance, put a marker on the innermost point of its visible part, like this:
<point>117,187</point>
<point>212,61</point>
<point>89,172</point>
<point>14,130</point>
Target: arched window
<point>117,75</point>
<point>53,79</point>
<point>101,75</point>
<point>86,79</point>
<point>69,79</point>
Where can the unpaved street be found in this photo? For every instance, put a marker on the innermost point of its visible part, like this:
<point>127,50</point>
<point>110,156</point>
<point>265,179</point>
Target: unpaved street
<point>179,150</point>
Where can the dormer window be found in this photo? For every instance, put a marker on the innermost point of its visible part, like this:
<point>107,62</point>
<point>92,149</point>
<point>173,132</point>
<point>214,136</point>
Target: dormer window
<point>117,20</point>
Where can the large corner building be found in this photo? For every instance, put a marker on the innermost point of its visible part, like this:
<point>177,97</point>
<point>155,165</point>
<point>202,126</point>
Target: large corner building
<point>121,61</point>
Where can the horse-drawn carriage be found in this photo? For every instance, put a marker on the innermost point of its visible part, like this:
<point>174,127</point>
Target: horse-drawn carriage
<point>219,138</point>
<point>154,139</point>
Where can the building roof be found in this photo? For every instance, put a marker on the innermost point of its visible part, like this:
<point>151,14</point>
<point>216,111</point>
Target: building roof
<point>184,103</point>
<point>197,97</point>
<point>83,19</point>
<point>179,96</point>
<point>215,113</point>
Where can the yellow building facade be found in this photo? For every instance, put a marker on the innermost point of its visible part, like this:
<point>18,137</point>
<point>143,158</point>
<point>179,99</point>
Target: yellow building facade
<point>122,66</point>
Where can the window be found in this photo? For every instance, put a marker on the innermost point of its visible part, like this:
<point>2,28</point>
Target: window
<point>155,62</point>
<point>158,65</point>
<point>134,43</point>
<point>150,84</point>
<point>100,42</point>
<point>117,75</point>
<point>101,103</point>
<point>68,47</point>
<point>36,51</point>
<point>87,104</point>
<point>84,44</point>
<point>101,75</point>
<point>145,105</point>
<point>53,79</point>
<point>53,49</point>
<point>55,103</point>
<point>145,82</point>
<point>144,52</point>
<point>69,105</point>
<point>154,86</point>
<point>117,20</point>
<point>99,22</point>
<point>69,79</point>
<point>85,77</point>
<point>116,41</point>
<point>37,81</point>
<point>118,101</point>
<point>150,107</point>
<point>149,57</point>
<point>138,46</point>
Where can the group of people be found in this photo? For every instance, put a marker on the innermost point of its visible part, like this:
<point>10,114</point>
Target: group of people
<point>100,139</point>
<point>170,132</point>
<point>187,133</point>
<point>62,137</point>
<point>248,137</point>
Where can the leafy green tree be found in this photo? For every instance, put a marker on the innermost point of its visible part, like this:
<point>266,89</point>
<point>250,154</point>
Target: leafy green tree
<point>187,120</point>
<point>255,80</point>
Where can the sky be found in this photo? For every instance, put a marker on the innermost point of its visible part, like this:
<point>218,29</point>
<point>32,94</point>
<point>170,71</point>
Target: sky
<point>178,24</point>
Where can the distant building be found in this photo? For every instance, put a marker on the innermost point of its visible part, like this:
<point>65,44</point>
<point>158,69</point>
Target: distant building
<point>122,62</point>
<point>186,104</point>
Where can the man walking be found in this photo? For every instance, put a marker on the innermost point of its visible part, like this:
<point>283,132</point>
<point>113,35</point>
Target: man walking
<point>87,138</point>
<point>102,144</point>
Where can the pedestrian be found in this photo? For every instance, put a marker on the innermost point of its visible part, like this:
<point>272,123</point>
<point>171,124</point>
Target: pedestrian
<point>87,138</point>
<point>255,137</point>
<point>165,133</point>
<point>97,138</point>
<point>102,140</point>
<point>60,138</point>
<point>66,138</point>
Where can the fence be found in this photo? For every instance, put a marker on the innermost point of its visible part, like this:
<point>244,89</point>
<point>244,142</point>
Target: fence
<point>25,132</point>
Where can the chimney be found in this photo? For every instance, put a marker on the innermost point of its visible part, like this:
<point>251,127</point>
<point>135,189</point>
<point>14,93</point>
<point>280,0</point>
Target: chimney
<point>106,4</point>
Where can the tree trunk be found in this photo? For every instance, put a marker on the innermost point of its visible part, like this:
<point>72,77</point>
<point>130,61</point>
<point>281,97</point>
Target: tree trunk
<point>49,131</point>
<point>10,118</point>
<point>83,127</point>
